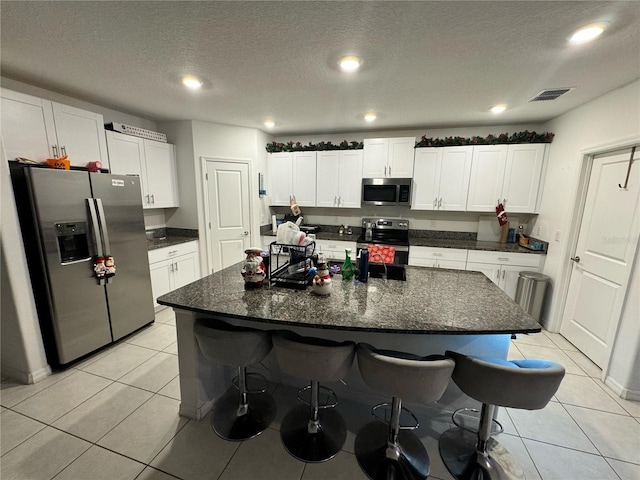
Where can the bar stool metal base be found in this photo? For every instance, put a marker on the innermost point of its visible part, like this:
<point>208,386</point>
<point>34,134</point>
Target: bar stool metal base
<point>313,447</point>
<point>226,422</point>
<point>370,450</point>
<point>459,454</point>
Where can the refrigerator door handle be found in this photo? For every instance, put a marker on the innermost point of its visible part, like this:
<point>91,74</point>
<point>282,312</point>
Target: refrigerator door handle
<point>103,227</point>
<point>95,226</point>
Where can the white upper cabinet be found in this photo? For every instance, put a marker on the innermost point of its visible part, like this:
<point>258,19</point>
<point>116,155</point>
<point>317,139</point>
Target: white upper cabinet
<point>339,178</point>
<point>292,173</point>
<point>280,173</point>
<point>441,178</point>
<point>38,129</point>
<point>153,161</point>
<point>487,175</point>
<point>388,157</point>
<point>522,177</point>
<point>505,173</point>
<point>304,178</point>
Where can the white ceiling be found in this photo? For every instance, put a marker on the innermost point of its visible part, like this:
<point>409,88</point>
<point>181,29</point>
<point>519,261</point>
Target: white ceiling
<point>426,64</point>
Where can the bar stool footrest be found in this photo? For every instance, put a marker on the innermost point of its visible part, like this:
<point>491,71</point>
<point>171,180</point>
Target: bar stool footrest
<point>474,410</point>
<point>386,420</point>
<point>331,395</point>
<point>236,382</point>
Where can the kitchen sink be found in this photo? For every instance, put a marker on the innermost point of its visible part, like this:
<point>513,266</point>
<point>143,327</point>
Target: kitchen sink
<point>394,272</point>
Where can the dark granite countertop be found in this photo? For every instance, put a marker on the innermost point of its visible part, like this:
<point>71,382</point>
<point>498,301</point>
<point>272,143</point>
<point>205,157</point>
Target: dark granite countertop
<point>424,238</point>
<point>431,301</point>
<point>470,245</point>
<point>167,237</point>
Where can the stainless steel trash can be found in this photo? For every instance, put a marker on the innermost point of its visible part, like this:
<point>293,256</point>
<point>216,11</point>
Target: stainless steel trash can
<point>530,292</point>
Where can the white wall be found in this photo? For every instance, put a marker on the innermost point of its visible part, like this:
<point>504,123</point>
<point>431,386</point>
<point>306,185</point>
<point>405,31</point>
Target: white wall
<point>21,349</point>
<point>431,133</point>
<point>613,117</point>
<point>224,142</point>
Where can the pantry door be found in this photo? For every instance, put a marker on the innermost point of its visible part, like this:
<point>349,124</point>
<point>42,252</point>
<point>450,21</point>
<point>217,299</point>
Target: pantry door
<point>228,216</point>
<point>606,247</point>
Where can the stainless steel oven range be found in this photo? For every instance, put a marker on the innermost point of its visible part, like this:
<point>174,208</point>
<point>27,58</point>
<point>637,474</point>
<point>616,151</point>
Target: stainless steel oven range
<point>392,232</point>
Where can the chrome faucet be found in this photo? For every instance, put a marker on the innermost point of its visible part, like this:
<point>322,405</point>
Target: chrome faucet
<point>373,255</point>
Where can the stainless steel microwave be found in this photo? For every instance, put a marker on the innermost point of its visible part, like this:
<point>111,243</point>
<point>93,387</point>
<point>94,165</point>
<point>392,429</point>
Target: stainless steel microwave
<point>386,191</point>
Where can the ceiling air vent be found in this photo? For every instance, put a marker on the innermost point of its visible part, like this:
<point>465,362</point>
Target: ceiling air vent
<point>550,94</point>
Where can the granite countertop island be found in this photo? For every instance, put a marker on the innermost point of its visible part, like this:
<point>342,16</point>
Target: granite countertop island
<point>431,301</point>
<point>433,311</point>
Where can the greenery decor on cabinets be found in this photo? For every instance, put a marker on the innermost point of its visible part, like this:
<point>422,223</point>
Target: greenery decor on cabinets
<point>503,138</point>
<point>274,147</point>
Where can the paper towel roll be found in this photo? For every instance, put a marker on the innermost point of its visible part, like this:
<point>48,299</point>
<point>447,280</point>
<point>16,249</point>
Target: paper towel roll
<point>274,226</point>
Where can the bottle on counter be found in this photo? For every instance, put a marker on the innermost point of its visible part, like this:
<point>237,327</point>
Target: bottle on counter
<point>363,266</point>
<point>347,269</point>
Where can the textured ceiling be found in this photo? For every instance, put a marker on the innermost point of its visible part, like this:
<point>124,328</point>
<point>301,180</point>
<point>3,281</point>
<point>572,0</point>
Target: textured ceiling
<point>426,64</point>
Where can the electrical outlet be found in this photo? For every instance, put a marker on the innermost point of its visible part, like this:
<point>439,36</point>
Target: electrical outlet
<point>538,231</point>
<point>558,235</point>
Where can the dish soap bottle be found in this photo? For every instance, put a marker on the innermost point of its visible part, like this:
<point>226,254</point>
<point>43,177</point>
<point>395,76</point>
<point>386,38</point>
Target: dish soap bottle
<point>347,269</point>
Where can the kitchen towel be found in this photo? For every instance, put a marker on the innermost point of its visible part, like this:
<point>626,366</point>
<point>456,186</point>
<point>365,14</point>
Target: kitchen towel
<point>388,254</point>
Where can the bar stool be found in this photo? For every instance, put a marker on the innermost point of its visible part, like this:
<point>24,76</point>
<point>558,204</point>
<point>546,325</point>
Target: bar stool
<point>313,432</point>
<point>527,384</point>
<point>237,418</point>
<point>392,451</point>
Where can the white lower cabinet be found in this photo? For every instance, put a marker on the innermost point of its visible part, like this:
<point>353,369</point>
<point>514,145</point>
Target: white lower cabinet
<point>452,258</point>
<point>335,250</point>
<point>173,267</point>
<point>503,268</point>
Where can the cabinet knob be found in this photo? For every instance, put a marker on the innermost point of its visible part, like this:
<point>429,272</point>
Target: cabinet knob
<point>245,233</point>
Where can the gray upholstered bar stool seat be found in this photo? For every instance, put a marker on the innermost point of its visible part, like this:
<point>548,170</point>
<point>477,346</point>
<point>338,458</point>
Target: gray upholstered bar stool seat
<point>392,451</point>
<point>244,415</point>
<point>527,384</point>
<point>313,432</point>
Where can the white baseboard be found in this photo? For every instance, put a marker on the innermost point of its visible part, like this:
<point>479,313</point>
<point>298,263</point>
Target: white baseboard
<point>26,378</point>
<point>622,392</point>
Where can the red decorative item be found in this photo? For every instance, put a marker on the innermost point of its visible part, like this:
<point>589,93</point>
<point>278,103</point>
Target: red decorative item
<point>376,252</point>
<point>94,166</point>
<point>501,214</point>
<point>110,266</point>
<point>100,268</point>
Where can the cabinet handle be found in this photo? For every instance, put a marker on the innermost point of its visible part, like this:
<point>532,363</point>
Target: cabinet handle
<point>389,170</point>
<point>503,259</point>
<point>385,170</point>
<point>504,202</point>
<point>147,198</point>
<point>335,200</point>
<point>64,150</point>
<point>173,252</point>
<point>153,199</point>
<point>435,202</point>
<point>498,274</point>
<point>440,202</point>
<point>55,151</point>
<point>176,264</point>
<point>503,272</point>
<point>172,266</point>
<point>339,199</point>
<point>437,254</point>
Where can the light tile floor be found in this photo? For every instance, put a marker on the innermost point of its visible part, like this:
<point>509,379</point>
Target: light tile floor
<point>114,416</point>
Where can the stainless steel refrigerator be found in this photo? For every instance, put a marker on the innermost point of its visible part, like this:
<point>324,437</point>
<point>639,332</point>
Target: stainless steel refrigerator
<point>70,220</point>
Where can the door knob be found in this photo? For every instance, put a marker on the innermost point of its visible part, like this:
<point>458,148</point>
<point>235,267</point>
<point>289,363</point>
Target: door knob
<point>576,259</point>
<point>245,233</point>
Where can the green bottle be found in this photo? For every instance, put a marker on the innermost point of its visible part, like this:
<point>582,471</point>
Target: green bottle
<point>347,269</point>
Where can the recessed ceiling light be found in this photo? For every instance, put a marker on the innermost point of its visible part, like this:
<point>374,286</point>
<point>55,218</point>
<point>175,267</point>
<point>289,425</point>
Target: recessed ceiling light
<point>587,33</point>
<point>498,108</point>
<point>350,63</point>
<point>269,123</point>
<point>194,83</point>
<point>370,117</point>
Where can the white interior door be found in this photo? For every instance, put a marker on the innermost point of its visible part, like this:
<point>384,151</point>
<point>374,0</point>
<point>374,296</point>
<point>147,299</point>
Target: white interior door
<point>606,248</point>
<point>229,212</point>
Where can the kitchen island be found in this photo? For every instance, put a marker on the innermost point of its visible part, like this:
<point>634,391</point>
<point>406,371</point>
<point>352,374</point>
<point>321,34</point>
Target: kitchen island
<point>434,310</point>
